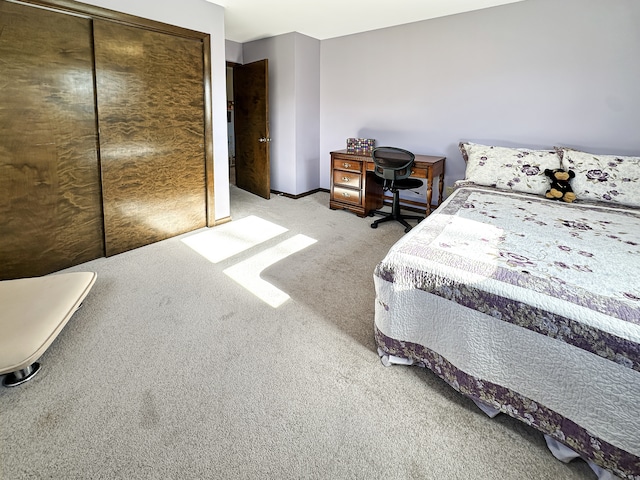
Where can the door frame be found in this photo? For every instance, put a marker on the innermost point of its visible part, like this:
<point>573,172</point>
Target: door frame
<point>232,66</point>
<point>93,12</point>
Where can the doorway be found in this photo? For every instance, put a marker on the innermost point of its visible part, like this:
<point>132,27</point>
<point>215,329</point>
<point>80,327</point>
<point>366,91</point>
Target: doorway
<point>248,126</point>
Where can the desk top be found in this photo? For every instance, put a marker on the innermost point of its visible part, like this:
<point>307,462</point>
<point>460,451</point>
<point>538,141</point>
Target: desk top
<point>419,158</point>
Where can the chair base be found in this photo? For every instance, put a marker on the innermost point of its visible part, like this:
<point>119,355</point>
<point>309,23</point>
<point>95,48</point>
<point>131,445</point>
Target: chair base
<point>19,377</point>
<point>395,215</point>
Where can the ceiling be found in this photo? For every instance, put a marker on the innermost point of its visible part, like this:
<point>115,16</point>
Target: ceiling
<point>247,20</point>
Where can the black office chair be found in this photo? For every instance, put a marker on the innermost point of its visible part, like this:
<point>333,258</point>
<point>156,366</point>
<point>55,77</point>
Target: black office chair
<point>392,169</point>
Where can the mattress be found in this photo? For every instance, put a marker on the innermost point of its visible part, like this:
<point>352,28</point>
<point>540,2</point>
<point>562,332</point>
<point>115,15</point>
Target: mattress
<point>529,306</point>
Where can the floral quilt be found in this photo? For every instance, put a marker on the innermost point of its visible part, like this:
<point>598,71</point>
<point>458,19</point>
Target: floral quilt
<point>563,272</point>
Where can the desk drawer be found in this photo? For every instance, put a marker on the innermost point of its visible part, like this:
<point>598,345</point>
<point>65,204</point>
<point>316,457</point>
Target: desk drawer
<point>347,164</point>
<point>350,179</point>
<point>347,195</point>
<point>417,172</point>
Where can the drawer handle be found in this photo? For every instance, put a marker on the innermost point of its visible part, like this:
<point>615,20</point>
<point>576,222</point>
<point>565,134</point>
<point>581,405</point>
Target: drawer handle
<point>346,165</point>
<point>344,194</point>
<point>345,179</point>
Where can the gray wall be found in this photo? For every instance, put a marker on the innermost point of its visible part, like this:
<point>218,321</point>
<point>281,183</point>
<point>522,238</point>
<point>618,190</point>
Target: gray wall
<point>307,84</point>
<point>536,73</point>
<point>280,51</point>
<point>233,51</point>
<point>294,108</point>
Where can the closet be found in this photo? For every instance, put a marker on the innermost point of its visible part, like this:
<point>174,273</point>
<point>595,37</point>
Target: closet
<point>105,141</point>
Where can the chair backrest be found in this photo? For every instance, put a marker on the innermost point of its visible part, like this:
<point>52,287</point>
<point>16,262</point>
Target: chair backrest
<point>392,163</point>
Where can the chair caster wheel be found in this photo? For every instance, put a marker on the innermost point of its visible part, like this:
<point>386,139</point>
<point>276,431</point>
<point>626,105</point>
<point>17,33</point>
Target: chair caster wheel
<point>374,225</point>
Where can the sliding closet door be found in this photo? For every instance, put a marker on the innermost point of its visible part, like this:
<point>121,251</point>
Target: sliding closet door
<point>151,117</point>
<point>50,205</point>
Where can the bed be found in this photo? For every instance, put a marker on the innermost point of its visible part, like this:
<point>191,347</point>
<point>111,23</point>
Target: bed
<point>529,306</point>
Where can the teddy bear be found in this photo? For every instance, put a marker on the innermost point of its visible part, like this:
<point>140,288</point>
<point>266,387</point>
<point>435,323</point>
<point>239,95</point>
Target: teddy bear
<point>560,188</point>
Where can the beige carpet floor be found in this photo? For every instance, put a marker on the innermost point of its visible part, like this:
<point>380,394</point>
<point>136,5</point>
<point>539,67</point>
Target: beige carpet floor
<point>174,370</point>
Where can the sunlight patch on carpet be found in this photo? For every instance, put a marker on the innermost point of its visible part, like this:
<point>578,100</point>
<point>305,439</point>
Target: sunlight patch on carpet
<point>247,272</point>
<point>225,241</point>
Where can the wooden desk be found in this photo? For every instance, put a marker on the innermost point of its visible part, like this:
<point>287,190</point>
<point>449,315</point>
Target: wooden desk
<point>354,188</point>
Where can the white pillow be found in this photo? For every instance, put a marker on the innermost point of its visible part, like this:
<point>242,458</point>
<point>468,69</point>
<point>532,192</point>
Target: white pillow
<point>606,178</point>
<point>517,169</point>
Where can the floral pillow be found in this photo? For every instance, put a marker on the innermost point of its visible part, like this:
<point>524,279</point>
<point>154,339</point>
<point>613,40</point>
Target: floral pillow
<point>607,178</point>
<point>517,169</point>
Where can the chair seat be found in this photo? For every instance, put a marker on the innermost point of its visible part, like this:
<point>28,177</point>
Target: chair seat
<point>408,183</point>
<point>34,311</point>
<point>404,184</point>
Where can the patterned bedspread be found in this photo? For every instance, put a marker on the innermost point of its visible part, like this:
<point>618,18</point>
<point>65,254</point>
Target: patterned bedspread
<point>529,305</point>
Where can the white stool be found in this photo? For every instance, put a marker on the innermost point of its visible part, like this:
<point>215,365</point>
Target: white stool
<point>33,311</point>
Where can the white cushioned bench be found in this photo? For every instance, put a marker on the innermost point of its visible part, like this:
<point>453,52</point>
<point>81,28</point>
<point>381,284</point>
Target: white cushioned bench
<point>33,311</point>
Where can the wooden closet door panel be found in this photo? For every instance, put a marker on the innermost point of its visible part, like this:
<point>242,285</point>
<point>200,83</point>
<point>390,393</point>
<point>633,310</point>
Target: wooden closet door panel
<point>151,115</point>
<point>50,204</point>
